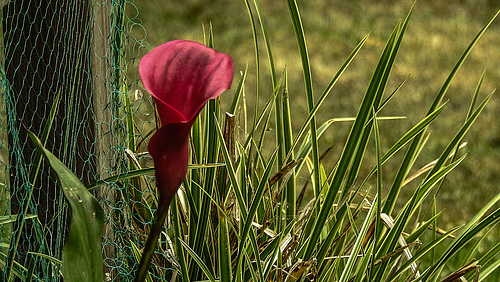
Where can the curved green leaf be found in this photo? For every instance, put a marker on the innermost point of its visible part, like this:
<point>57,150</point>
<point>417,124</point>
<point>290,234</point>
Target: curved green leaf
<point>82,256</point>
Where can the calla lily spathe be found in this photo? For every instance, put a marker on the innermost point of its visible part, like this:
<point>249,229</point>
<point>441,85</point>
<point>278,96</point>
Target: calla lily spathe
<point>182,76</point>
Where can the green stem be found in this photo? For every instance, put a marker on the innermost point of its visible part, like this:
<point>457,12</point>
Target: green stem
<point>150,247</point>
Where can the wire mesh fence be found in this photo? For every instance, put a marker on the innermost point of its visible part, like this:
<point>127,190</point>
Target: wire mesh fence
<point>65,68</point>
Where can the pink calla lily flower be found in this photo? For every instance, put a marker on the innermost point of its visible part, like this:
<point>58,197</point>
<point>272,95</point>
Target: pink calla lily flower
<point>182,76</point>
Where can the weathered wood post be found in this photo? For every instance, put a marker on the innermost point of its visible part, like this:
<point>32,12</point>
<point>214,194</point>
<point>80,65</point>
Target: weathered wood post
<point>101,56</point>
<point>5,229</point>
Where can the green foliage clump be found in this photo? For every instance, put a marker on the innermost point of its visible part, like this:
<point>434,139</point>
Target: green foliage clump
<point>278,211</point>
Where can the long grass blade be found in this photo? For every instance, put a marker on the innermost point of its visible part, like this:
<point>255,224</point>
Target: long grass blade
<point>403,218</point>
<point>469,231</point>
<point>476,94</point>
<point>290,191</point>
<point>198,260</point>
<point>490,255</point>
<point>256,201</point>
<point>255,248</point>
<point>137,255</point>
<point>377,85</point>
<point>257,59</point>
<point>306,69</point>
<point>238,92</point>
<point>142,172</point>
<point>377,224</point>
<point>267,42</point>
<point>420,230</point>
<point>211,147</point>
<point>232,174</point>
<point>240,197</point>
<point>346,273</point>
<point>225,269</point>
<point>20,220</point>
<point>425,250</point>
<point>464,56</point>
<point>325,94</point>
<point>17,269</point>
<point>363,270</point>
<point>265,112</point>
<point>415,144</point>
<point>485,272</point>
<point>458,137</point>
<point>334,231</point>
<point>178,235</point>
<point>349,152</point>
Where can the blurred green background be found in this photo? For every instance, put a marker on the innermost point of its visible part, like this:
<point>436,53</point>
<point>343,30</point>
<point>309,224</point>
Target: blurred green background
<point>438,34</point>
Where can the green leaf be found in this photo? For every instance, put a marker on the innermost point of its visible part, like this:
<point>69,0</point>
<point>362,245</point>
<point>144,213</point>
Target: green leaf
<point>485,272</point>
<point>306,69</point>
<point>491,254</point>
<point>458,137</point>
<point>412,151</point>
<point>198,261</point>
<point>177,233</point>
<point>355,140</point>
<point>137,255</point>
<point>364,268</point>
<point>52,259</point>
<point>429,247</point>
<point>475,226</point>
<point>321,99</point>
<point>407,137</point>
<point>141,172</point>
<point>420,230</point>
<point>6,219</point>
<point>82,256</point>
<point>238,92</point>
<point>346,273</point>
<point>404,216</point>
<point>332,233</point>
<point>225,270</point>
<point>267,43</point>
<point>17,269</point>
<point>245,232</point>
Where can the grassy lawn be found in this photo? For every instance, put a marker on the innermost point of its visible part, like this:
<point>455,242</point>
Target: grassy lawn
<point>438,34</point>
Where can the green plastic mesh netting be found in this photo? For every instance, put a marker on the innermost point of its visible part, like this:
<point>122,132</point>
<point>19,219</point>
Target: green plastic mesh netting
<point>68,73</point>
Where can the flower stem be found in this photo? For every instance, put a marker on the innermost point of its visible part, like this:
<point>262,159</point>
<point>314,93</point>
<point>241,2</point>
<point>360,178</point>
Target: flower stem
<point>150,246</point>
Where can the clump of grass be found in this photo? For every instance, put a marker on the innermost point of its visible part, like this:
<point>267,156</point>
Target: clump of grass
<point>249,220</point>
<point>437,36</point>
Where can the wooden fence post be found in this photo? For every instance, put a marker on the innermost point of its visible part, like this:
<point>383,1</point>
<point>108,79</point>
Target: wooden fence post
<point>5,229</point>
<point>101,56</point>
